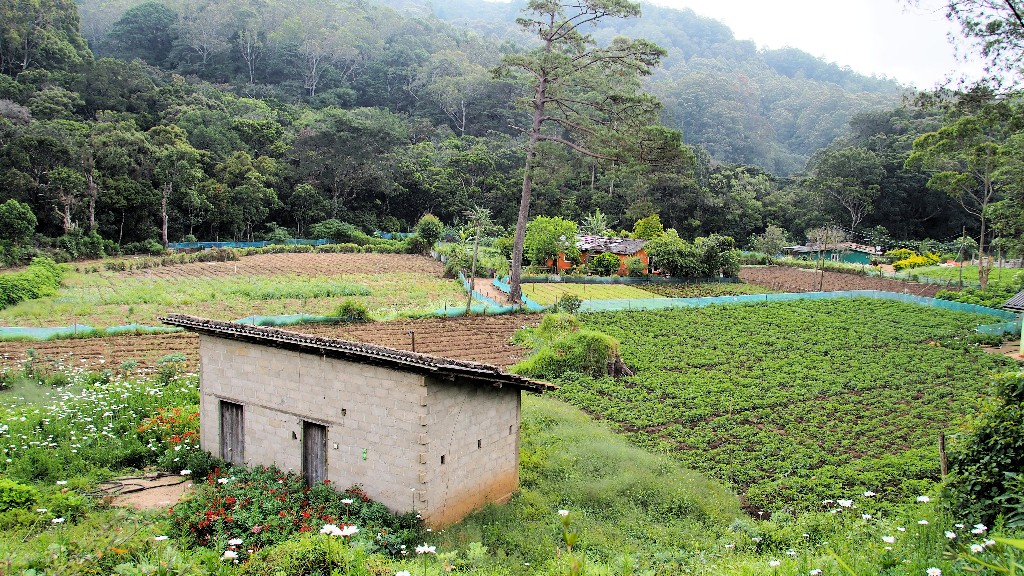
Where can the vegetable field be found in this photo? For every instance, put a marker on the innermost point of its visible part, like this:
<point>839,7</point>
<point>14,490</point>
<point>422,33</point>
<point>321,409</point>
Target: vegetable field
<point>997,276</point>
<point>794,403</point>
<point>790,279</point>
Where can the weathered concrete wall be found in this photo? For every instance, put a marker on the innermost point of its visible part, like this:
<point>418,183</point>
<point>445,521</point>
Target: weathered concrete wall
<point>364,408</point>
<point>476,429</point>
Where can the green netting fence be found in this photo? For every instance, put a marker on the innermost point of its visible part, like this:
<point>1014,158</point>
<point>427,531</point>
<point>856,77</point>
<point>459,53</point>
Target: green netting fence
<point>77,330</point>
<point>553,279</point>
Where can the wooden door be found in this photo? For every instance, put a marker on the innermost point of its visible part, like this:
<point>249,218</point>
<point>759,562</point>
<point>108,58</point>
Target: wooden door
<point>314,453</point>
<point>232,439</point>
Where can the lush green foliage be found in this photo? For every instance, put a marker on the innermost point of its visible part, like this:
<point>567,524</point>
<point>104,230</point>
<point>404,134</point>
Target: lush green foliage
<point>792,403</point>
<point>993,297</point>
<point>916,261</point>
<point>704,290</point>
<point>560,346</point>
<point>352,311</point>
<point>41,278</point>
<point>546,238</point>
<point>709,257</point>
<point>604,264</point>
<point>987,462</point>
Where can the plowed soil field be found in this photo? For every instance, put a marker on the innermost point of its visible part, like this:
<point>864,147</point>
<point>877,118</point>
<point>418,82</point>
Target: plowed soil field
<point>311,264</point>
<point>477,338</point>
<point>789,279</point>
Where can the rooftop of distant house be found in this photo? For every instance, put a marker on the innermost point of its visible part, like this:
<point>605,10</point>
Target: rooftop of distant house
<point>622,246</point>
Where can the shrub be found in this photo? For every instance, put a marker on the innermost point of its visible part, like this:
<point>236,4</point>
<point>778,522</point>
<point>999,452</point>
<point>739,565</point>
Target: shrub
<point>570,303</point>
<point>981,485</point>
<point>429,229</point>
<point>585,352</point>
<point>310,555</point>
<point>352,311</point>
<point>635,267</point>
<point>42,278</point>
<point>339,231</point>
<point>14,495</point>
<point>916,261</point>
<point>899,254</point>
<point>345,248</point>
<point>604,264</point>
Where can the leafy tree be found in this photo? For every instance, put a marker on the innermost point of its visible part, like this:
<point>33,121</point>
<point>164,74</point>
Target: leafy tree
<point>66,186</point>
<point>965,157</point>
<point>594,224</point>
<point>17,223</point>
<point>145,31</point>
<point>851,177</point>
<point>548,237</point>
<point>771,242</point>
<point>429,229</point>
<point>604,264</point>
<point>995,26</point>
<point>648,228</point>
<point>584,97</point>
<point>40,34</point>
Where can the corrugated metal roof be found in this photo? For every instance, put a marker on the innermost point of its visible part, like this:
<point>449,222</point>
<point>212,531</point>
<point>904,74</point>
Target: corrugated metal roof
<point>356,352</point>
<point>623,246</point>
<point>1016,303</point>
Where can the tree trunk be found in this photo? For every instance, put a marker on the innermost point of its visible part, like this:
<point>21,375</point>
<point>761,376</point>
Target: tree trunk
<point>163,214</point>
<point>472,271</point>
<point>91,187</point>
<point>515,292</point>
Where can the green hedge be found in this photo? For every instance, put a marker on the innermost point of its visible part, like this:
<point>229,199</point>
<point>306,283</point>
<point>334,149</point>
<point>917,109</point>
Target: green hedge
<point>41,278</point>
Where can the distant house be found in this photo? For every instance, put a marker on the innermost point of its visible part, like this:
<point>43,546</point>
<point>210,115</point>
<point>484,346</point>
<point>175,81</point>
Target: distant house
<point>590,246</point>
<point>1015,304</point>
<point>848,252</point>
<point>416,431</point>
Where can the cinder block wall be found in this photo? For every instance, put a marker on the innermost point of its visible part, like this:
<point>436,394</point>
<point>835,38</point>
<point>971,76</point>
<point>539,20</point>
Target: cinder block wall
<point>364,408</point>
<point>476,428</point>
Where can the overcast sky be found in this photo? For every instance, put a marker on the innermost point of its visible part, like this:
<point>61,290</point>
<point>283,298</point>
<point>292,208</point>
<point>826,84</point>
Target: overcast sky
<point>880,37</point>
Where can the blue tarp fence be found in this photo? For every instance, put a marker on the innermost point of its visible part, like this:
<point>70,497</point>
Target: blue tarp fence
<point>262,244</point>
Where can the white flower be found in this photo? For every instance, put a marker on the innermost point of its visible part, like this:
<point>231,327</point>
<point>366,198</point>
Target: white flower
<point>791,552</point>
<point>934,572</point>
<point>815,572</point>
<point>346,502</point>
<point>888,539</point>
<point>922,522</point>
<point>160,538</point>
<point>866,516</point>
<point>403,573</point>
<point>901,529</point>
<point>331,529</point>
<point>924,499</point>
<point>57,521</point>
<point>979,529</point>
<point>229,555</point>
<point>425,549</point>
<point>989,543</point>
<point>730,546</point>
<point>976,548</point>
<point>61,482</point>
<point>41,510</point>
<point>186,472</point>
<point>845,503</point>
<point>563,513</point>
<point>958,525</point>
<point>774,563</point>
<point>869,494</point>
<point>349,530</point>
<point>234,542</point>
<point>222,480</point>
<point>950,534</point>
<point>755,539</point>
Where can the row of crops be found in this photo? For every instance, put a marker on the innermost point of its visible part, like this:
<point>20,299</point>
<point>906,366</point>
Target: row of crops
<point>794,403</point>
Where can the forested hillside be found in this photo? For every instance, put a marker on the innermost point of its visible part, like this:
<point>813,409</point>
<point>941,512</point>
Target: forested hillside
<point>766,108</point>
<point>138,123</point>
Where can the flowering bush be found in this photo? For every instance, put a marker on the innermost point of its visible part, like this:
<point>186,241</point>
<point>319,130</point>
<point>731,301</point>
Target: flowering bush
<point>265,506</point>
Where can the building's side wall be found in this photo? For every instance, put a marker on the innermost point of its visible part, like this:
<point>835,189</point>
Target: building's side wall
<point>374,416</point>
<point>461,417</point>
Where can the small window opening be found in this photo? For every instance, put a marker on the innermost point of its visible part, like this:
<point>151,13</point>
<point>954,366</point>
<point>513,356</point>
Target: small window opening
<point>479,443</point>
<point>442,458</point>
<point>510,430</point>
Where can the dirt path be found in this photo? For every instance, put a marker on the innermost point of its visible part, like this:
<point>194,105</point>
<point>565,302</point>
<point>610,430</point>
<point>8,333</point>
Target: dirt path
<point>486,287</point>
<point>148,492</point>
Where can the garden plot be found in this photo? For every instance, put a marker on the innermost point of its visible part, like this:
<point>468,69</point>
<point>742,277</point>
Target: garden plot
<point>272,284</point>
<point>793,403</point>
<point>790,279</point>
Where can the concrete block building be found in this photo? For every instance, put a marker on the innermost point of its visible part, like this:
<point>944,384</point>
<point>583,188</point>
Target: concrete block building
<point>417,432</point>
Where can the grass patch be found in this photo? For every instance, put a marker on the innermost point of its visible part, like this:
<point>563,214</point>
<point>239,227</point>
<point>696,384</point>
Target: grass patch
<point>108,299</point>
<point>705,290</point>
<point>547,293</point>
<point>997,278</point>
